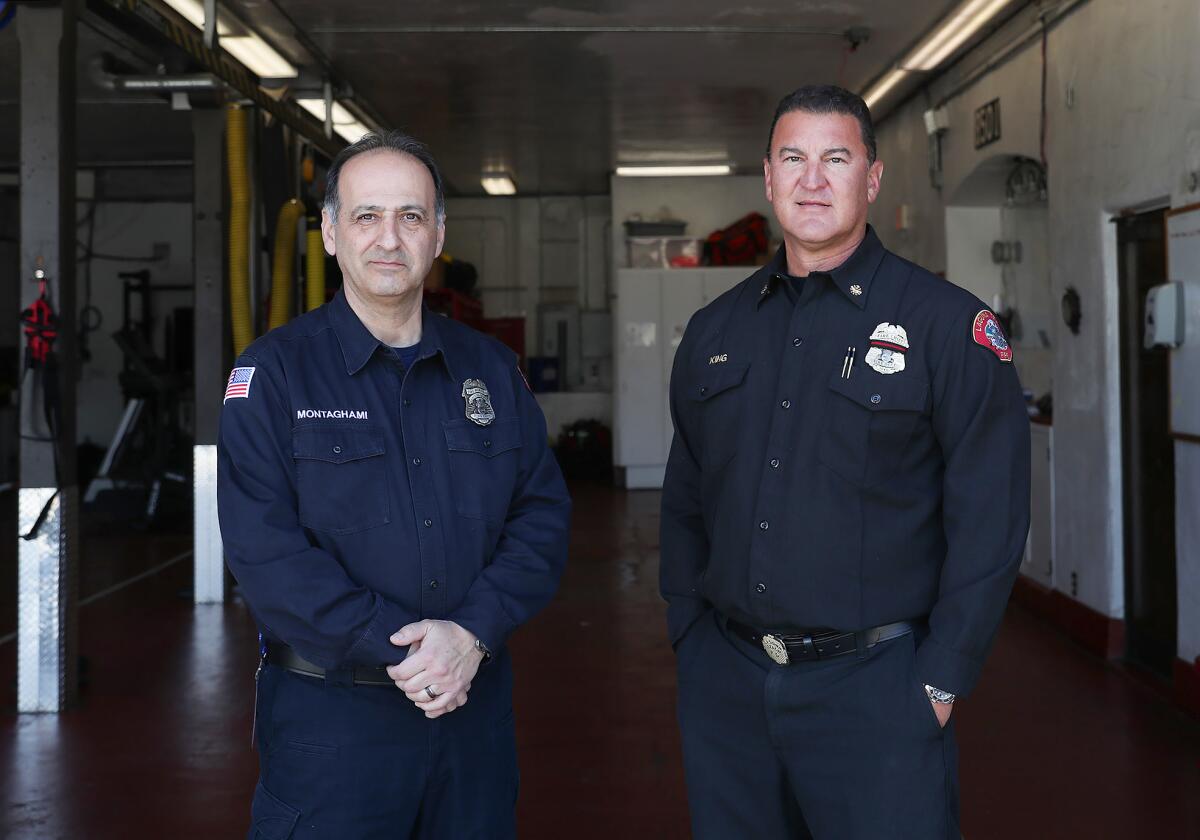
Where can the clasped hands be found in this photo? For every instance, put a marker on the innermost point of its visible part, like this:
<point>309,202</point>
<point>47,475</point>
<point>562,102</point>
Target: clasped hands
<point>441,656</point>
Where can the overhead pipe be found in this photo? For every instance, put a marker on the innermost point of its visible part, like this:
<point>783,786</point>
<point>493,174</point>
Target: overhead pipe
<point>110,73</point>
<point>167,84</point>
<point>283,266</point>
<point>239,228</point>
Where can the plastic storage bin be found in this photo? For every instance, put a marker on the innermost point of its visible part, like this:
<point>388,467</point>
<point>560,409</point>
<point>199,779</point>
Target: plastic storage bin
<point>663,251</point>
<point>663,227</point>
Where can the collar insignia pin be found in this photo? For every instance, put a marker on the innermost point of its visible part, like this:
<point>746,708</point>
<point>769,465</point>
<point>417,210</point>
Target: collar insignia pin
<point>478,402</point>
<point>856,290</point>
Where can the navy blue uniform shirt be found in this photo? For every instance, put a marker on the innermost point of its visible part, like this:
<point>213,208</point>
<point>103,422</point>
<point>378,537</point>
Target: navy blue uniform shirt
<point>356,496</point>
<point>804,491</point>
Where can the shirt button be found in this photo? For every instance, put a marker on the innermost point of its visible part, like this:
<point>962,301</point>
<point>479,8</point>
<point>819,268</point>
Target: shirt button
<point>875,399</point>
<point>786,404</point>
<point>407,403</point>
<point>487,444</point>
<point>703,390</point>
<point>433,584</point>
<point>796,342</point>
<point>416,462</point>
<point>761,588</point>
<point>337,450</point>
<point>428,523</point>
<point>774,463</point>
<point>764,525</point>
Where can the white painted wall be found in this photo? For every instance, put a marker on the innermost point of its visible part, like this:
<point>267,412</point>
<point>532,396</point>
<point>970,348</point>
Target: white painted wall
<point>533,250</point>
<point>970,232</point>
<point>1187,531</point>
<point>130,230</point>
<point>1026,289</point>
<point>1121,132</point>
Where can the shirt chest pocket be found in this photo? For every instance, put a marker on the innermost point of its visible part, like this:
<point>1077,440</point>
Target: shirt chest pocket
<point>870,422</point>
<point>719,395</point>
<point>341,478</point>
<point>484,462</point>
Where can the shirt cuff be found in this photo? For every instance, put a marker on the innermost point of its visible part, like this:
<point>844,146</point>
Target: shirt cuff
<point>491,628</point>
<point>374,647</point>
<point>948,670</point>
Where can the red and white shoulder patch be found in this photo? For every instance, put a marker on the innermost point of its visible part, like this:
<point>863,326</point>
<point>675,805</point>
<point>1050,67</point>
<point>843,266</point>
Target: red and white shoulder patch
<point>987,333</point>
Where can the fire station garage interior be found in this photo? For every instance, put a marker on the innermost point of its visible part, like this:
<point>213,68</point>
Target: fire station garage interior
<point>163,167</point>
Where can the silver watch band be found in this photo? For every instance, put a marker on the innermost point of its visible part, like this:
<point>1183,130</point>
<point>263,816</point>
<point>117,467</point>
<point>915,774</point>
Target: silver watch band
<point>937,695</point>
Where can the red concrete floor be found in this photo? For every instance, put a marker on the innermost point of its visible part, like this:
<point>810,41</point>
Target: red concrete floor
<point>1056,744</point>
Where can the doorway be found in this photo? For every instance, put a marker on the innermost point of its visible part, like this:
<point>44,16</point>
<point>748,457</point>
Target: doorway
<point>1147,451</point>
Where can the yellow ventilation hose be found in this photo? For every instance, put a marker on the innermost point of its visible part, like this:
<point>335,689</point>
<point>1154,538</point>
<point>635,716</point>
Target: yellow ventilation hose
<point>283,267</point>
<point>239,228</point>
<point>314,287</point>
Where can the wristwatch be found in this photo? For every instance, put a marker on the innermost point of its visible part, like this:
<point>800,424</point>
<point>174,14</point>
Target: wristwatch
<point>482,648</point>
<point>938,696</point>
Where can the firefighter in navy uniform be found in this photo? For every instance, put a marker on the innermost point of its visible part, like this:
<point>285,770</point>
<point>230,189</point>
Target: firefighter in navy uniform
<point>844,511</point>
<point>392,513</point>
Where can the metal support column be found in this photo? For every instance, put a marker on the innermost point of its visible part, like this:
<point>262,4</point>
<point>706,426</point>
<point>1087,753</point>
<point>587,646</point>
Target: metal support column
<point>208,251</point>
<point>48,502</point>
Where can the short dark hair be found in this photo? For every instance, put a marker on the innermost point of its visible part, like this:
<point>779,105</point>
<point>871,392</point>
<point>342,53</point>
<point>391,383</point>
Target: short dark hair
<point>391,140</point>
<point>828,99</point>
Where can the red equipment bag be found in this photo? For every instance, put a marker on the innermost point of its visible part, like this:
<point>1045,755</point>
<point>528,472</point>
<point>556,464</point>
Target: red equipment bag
<point>41,328</point>
<point>738,244</point>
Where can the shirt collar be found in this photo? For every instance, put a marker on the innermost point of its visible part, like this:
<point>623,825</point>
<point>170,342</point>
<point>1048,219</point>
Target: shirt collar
<point>853,277</point>
<point>358,345</point>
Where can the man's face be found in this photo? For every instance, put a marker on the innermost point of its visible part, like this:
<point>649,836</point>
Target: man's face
<point>386,235</point>
<point>818,179</point>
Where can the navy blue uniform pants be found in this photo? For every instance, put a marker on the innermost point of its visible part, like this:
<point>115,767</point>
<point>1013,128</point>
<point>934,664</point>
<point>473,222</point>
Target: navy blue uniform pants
<point>845,748</point>
<point>362,762</point>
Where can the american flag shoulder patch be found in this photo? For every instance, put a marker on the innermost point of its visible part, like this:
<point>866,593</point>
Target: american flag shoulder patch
<point>239,383</point>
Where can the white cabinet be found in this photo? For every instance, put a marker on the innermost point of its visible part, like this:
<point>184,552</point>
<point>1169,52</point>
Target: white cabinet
<point>1038,563</point>
<point>652,309</point>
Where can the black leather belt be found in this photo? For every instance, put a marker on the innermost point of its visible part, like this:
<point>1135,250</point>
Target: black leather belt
<point>786,649</point>
<point>287,658</point>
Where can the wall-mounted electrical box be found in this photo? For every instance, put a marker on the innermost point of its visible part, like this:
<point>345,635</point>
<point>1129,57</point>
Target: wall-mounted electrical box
<point>1164,315</point>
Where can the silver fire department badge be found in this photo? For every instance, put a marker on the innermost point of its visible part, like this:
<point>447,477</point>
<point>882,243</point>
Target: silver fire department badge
<point>889,343</point>
<point>478,402</point>
<point>775,649</point>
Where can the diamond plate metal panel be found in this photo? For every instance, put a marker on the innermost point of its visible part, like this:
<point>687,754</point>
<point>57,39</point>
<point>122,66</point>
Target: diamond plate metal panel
<point>208,574</point>
<point>45,598</point>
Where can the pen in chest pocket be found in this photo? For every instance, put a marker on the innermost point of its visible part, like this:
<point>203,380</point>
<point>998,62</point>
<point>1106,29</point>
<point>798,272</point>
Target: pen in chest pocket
<point>848,363</point>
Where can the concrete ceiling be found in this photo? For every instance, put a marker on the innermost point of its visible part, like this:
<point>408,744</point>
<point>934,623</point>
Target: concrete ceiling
<point>555,94</point>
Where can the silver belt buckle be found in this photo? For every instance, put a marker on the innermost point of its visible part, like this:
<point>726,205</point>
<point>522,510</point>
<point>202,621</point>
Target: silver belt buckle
<point>775,649</point>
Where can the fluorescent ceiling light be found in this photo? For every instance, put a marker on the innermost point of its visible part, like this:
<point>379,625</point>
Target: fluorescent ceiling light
<point>258,56</point>
<point>675,171</point>
<point>883,86</point>
<point>498,183</point>
<point>962,23</point>
<point>193,12</point>
<point>248,48</point>
<point>344,123</point>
